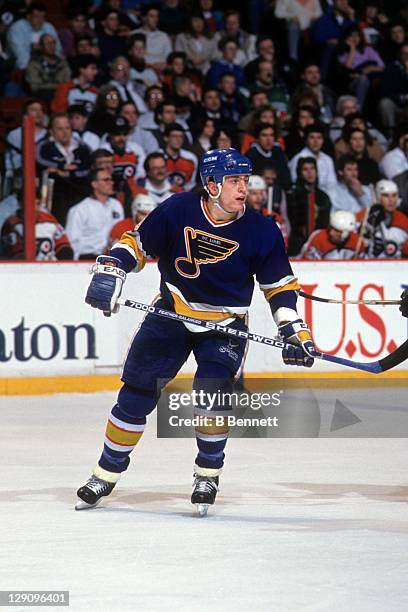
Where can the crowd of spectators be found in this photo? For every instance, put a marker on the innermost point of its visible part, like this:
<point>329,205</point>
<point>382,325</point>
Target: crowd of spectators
<point>127,94</point>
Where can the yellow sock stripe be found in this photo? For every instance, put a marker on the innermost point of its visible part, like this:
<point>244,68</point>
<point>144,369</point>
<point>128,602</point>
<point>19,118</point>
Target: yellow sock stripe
<point>129,239</point>
<point>292,286</point>
<point>212,428</point>
<point>119,436</point>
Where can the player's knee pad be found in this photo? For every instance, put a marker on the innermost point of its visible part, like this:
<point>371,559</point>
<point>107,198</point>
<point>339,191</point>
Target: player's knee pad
<point>136,402</point>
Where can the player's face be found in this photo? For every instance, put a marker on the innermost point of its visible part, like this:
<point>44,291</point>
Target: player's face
<point>389,201</point>
<point>234,193</point>
<point>336,236</point>
<point>256,198</point>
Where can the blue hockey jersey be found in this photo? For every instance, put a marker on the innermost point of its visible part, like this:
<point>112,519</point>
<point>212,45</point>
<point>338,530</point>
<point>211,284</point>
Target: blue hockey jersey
<point>207,266</point>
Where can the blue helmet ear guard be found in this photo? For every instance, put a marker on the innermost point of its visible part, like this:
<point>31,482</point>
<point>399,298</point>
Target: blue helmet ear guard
<point>218,163</point>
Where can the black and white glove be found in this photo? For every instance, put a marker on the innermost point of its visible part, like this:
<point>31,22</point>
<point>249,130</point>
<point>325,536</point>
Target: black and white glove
<point>106,284</point>
<point>378,245</point>
<point>404,303</point>
<point>302,351</point>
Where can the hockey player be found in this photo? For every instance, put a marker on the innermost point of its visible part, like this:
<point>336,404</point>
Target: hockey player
<point>386,228</point>
<point>257,195</point>
<point>209,248</point>
<point>142,205</point>
<point>338,241</point>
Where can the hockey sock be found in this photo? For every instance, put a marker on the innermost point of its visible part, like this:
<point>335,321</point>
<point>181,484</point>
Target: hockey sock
<point>211,439</point>
<point>122,434</point>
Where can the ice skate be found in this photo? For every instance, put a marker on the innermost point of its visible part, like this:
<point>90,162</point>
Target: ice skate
<point>91,493</point>
<point>204,492</point>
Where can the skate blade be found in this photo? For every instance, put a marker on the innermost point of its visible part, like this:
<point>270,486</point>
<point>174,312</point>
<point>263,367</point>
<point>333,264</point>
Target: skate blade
<point>202,509</point>
<point>83,505</point>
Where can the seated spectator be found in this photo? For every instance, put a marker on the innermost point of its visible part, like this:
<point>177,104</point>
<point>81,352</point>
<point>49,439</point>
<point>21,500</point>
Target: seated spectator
<point>338,241</point>
<point>158,43</point>
<point>14,140</point>
<point>232,104</point>
<point>308,206</point>
<point>153,97</point>
<point>24,35</point>
<point>328,29</point>
<point>224,138</point>
<point>142,76</point>
<point>164,115</point>
<point>299,17</point>
<point>257,99</point>
<point>51,241</point>
<point>314,142</point>
<point>295,138</point>
<point>275,88</point>
<point>390,46</point>
<point>102,159</point>
<point>401,180</point>
<point>356,141</point>
<point>173,18</point>
<point>78,118</point>
<point>80,90</point>
<point>214,19</point>
<point>138,135</point>
<point>264,114</point>
<point>395,161</point>
<point>67,161</point>
<point>246,43</point>
<point>311,81</point>
<point>110,43</point>
<point>376,142</point>
<point>177,66</point>
<point>91,221</point>
<point>156,183</point>
<point>210,108</point>
<point>265,50</point>
<point>276,203</point>
<point>106,109</point>
<point>373,22</point>
<point>128,160</point>
<point>120,78</point>
<point>85,45</point>
<point>265,151</point>
<point>346,105</point>
<point>360,63</point>
<point>77,27</point>
<point>205,130</point>
<point>393,91</point>
<point>227,63</point>
<point>181,164</point>
<point>384,227</point>
<point>142,206</point>
<point>196,43</point>
<point>349,193</point>
<point>46,70</point>
<point>186,96</point>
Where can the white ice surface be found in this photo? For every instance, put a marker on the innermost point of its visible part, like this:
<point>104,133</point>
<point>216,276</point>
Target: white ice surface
<point>299,524</point>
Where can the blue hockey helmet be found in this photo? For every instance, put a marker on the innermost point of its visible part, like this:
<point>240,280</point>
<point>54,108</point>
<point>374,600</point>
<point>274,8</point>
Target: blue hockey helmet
<point>218,163</point>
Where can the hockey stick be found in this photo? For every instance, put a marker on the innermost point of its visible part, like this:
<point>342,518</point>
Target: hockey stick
<point>375,367</point>
<point>308,296</point>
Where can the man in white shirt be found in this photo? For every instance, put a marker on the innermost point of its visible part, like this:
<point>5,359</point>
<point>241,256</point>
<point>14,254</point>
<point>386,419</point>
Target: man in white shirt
<point>90,222</point>
<point>120,73</point>
<point>349,194</point>
<point>314,140</point>
<point>158,43</point>
<point>395,161</point>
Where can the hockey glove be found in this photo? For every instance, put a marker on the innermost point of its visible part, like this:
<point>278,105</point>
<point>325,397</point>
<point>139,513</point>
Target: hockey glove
<point>376,215</point>
<point>106,284</point>
<point>297,333</point>
<point>404,303</point>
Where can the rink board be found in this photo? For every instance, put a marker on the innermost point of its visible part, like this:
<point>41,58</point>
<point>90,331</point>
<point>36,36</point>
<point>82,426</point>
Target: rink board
<point>47,331</point>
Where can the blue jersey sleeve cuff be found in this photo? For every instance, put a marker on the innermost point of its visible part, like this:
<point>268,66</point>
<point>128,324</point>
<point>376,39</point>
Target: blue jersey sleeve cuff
<point>284,299</point>
<point>127,262</point>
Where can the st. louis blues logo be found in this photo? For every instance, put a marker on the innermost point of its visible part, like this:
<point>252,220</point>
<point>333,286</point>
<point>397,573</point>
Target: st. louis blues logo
<point>202,248</point>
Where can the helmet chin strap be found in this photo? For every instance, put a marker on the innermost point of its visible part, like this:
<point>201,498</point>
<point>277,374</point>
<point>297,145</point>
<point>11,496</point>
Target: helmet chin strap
<point>215,199</point>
